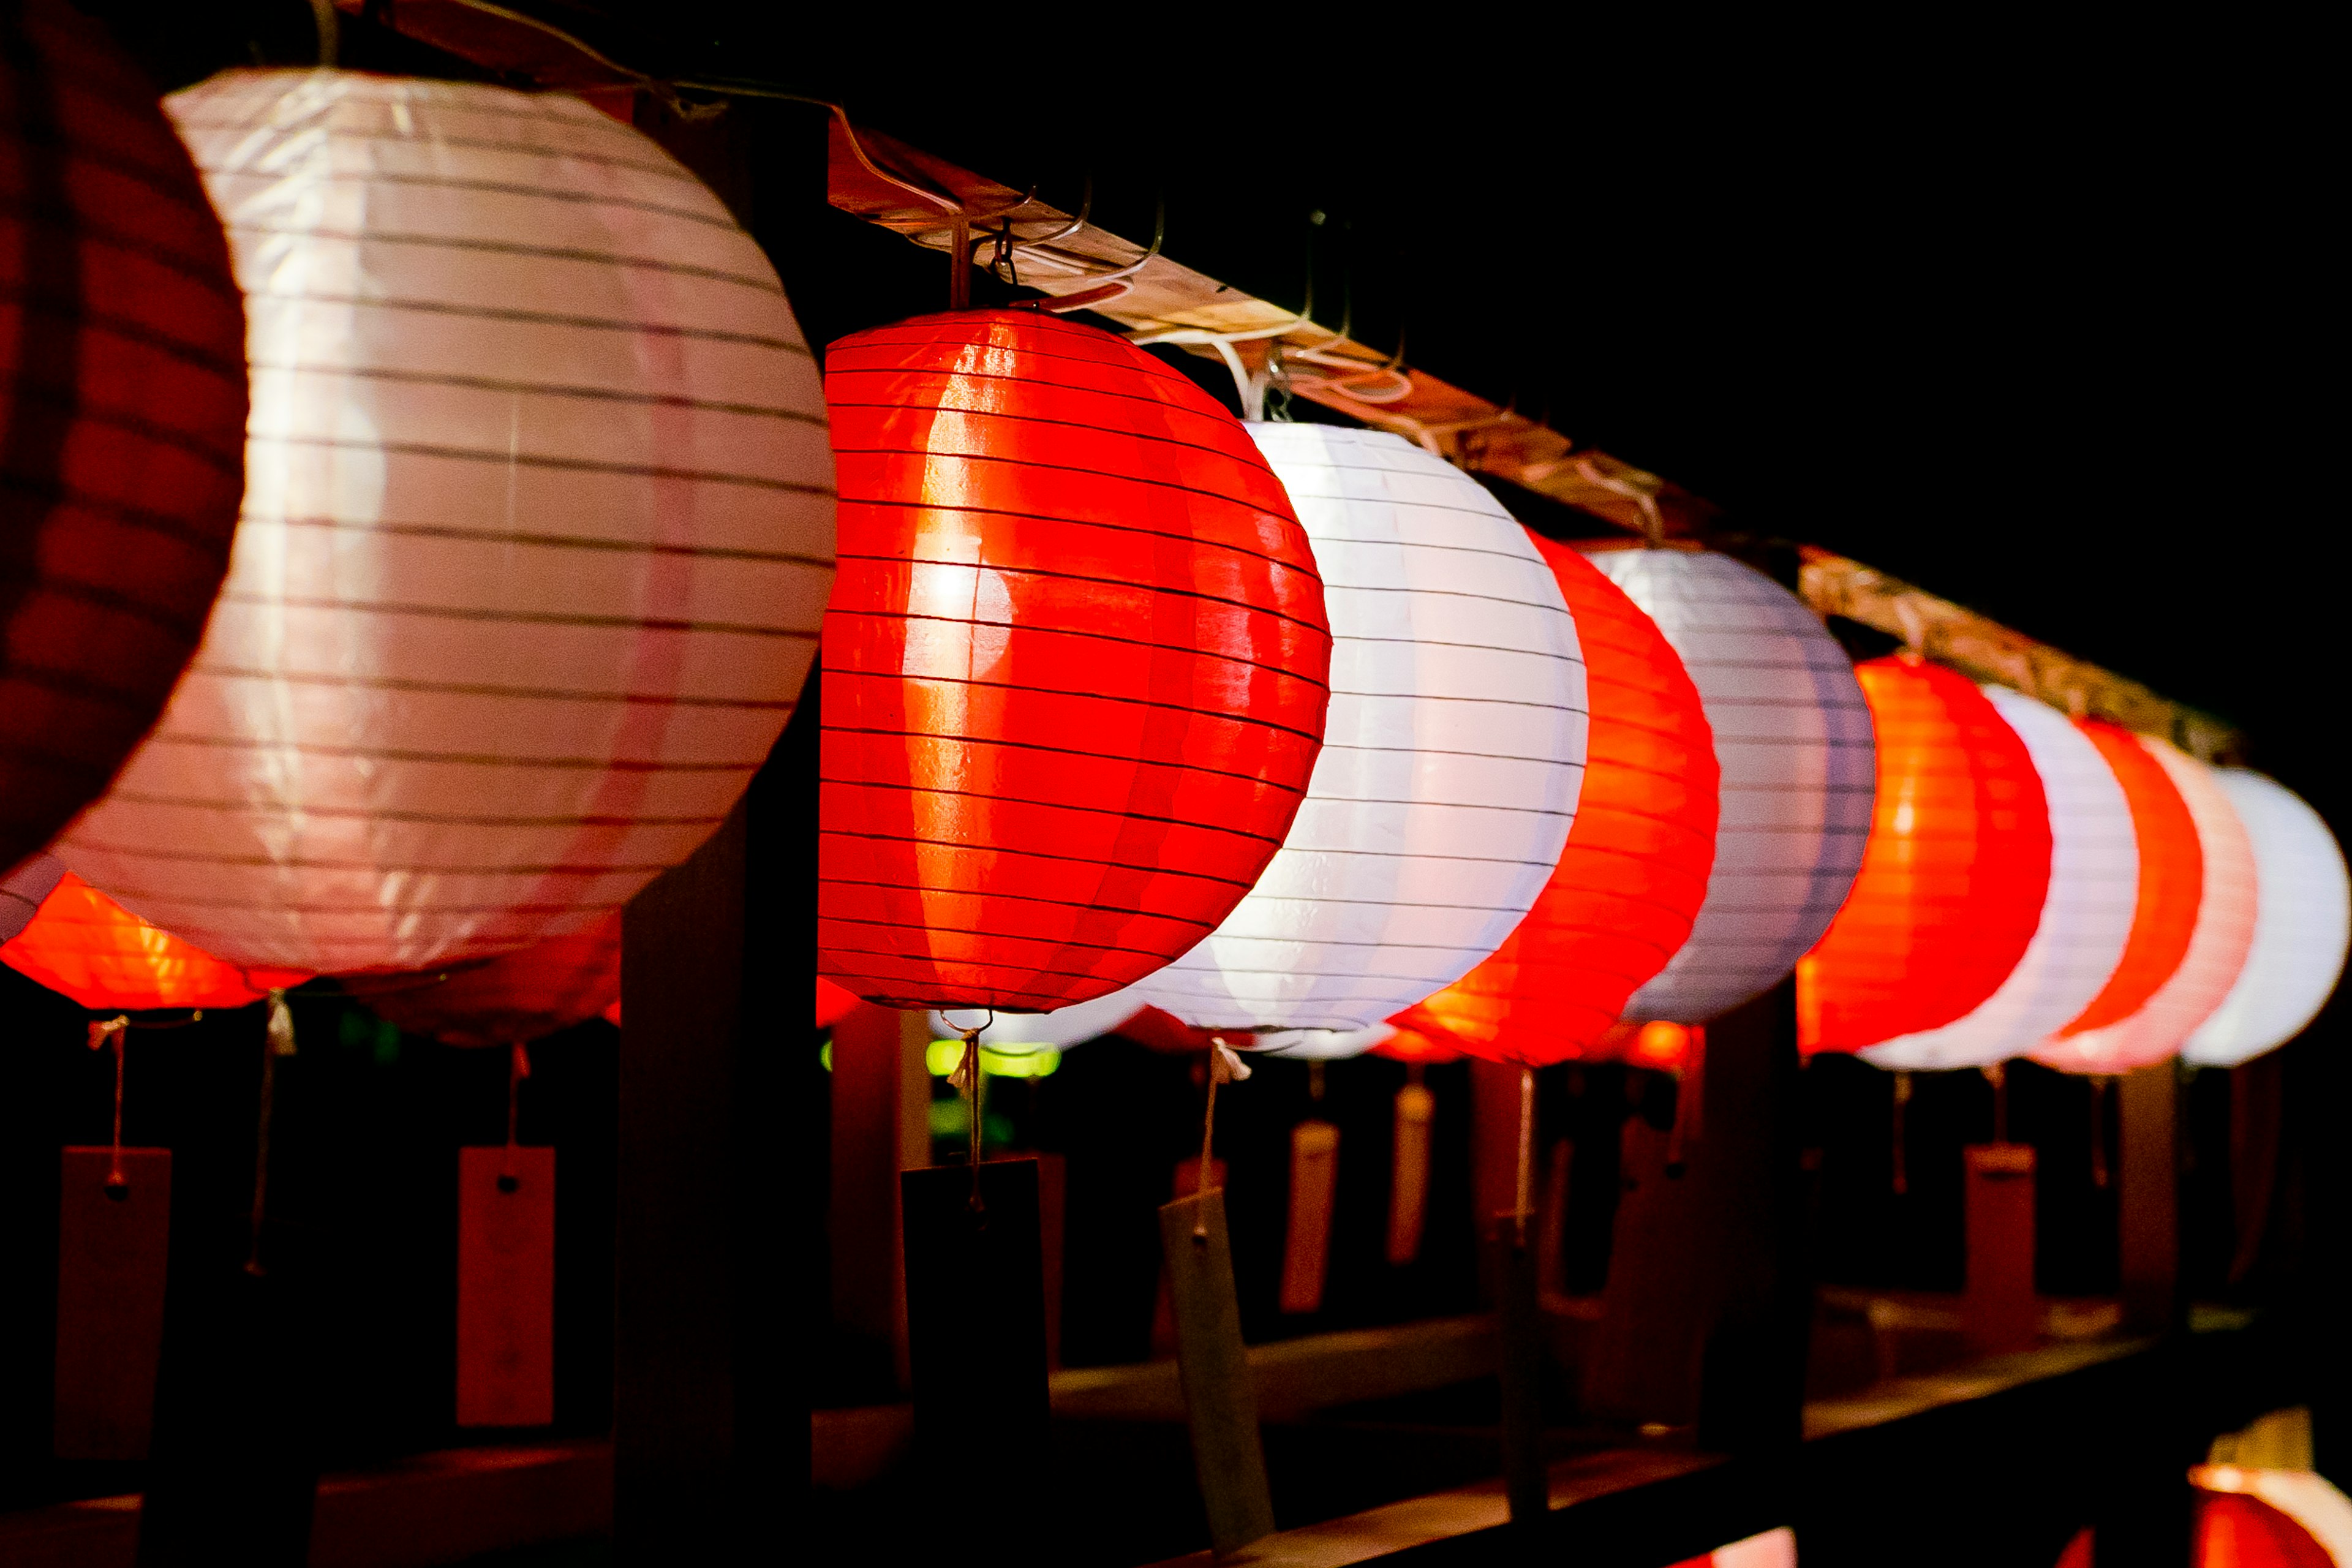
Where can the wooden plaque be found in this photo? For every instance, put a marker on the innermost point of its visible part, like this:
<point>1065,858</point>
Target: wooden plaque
<point>506,1287</point>
<point>113,1245</point>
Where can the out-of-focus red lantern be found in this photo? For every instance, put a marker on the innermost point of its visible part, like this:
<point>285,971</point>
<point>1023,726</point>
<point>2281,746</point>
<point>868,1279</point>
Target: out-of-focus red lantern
<point>2217,946</point>
<point>1634,871</point>
<point>1953,877</point>
<point>122,394</point>
<point>1075,665</point>
<point>84,944</point>
<point>1427,1044</point>
<point>512,999</point>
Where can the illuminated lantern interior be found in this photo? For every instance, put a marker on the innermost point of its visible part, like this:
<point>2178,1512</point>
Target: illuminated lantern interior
<point>1075,665</point>
<point>1451,760</point>
<point>1792,739</point>
<point>2087,915</point>
<point>2303,914</point>
<point>1953,877</point>
<point>1634,871</point>
<point>2218,944</point>
<point>513,998</point>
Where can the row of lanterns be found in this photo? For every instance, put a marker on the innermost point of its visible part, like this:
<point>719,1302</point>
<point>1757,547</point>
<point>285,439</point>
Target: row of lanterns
<point>1291,732</point>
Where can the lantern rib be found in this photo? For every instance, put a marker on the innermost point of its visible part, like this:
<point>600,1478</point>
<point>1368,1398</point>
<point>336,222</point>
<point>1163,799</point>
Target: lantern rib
<point>1008,570</point>
<point>1209,655</point>
<point>471,759</point>
<point>930,888</point>
<point>541,460</point>
<point>82,592</point>
<point>456,819</point>
<point>189,442</point>
<point>537,319</point>
<point>522,618</point>
<point>540,389</point>
<point>602,201</point>
<point>670,172</point>
<point>1122,702</point>
<point>465,688</point>
<point>86,318</point>
<point>550,541</point>
<point>510,248</point>
<point>1059,751</point>
<point>1226,546</point>
<point>1128,812</point>
<point>1182,875</point>
<point>63,493</point>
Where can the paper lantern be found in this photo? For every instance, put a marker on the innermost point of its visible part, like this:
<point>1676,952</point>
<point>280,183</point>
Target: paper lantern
<point>1954,876</point>
<point>511,999</point>
<point>2086,914</point>
<point>536,539</point>
<point>86,946</point>
<point>1075,668</point>
<point>2303,914</point>
<point>1451,756</point>
<point>2217,946</point>
<point>2171,878</point>
<point>1425,1044</point>
<point>122,400</point>
<point>1792,737</point>
<point>1634,871</point>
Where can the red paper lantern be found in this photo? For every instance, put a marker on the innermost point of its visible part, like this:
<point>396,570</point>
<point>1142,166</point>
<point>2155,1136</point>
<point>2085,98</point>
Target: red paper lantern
<point>84,944</point>
<point>2171,879</point>
<point>1075,665</point>
<point>122,399</point>
<point>1634,871</point>
<point>1954,874</point>
<point>832,1004</point>
<point>512,999</point>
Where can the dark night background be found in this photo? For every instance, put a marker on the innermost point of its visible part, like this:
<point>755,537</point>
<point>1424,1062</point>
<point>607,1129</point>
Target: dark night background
<point>2031,316</point>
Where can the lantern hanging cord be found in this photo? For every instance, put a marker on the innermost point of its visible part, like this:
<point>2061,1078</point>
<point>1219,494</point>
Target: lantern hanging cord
<point>966,1078</point>
<point>518,1070</point>
<point>1226,1065</point>
<point>103,1032</point>
<point>1902,1182</point>
<point>1524,1200</point>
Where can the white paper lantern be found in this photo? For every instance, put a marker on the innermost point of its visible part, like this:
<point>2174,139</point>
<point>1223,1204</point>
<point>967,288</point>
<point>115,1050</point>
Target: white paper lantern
<point>2217,946</point>
<point>1323,1045</point>
<point>22,890</point>
<point>1057,1030</point>
<point>1793,739</point>
<point>537,536</point>
<point>2303,916</point>
<point>1452,755</point>
<point>2087,915</point>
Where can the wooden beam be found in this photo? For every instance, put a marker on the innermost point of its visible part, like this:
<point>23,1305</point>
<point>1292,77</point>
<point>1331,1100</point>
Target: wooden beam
<point>1983,648</point>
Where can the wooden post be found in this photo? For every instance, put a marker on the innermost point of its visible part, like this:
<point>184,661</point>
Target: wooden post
<point>1525,1478</point>
<point>2149,1197</point>
<point>1708,1302</point>
<point>717,963</point>
<point>2001,1311</point>
<point>1494,1161</point>
<point>1220,1401</point>
<point>881,1092</point>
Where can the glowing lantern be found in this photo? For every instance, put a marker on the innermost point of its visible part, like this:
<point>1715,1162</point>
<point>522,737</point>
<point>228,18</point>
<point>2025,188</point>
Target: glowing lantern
<point>1073,669</point>
<point>1451,758</point>
<point>513,998</point>
<point>122,400</point>
<point>1792,737</point>
<point>1427,1044</point>
<point>1634,871</point>
<point>2303,912</point>
<point>2087,915</point>
<point>2217,946</point>
<point>90,947</point>
<point>1955,874</point>
<point>536,539</point>
<point>2171,879</point>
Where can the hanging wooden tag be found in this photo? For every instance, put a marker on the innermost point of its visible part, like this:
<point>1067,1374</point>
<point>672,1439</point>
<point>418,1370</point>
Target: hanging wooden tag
<point>1409,1173</point>
<point>506,1286</point>
<point>113,1247</point>
<point>2002,1310</point>
<point>1307,1249</point>
<point>1220,1401</point>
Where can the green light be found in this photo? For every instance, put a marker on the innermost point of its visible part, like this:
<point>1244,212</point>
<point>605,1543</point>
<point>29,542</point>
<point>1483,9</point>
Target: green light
<point>825,1056</point>
<point>1013,1060</point>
